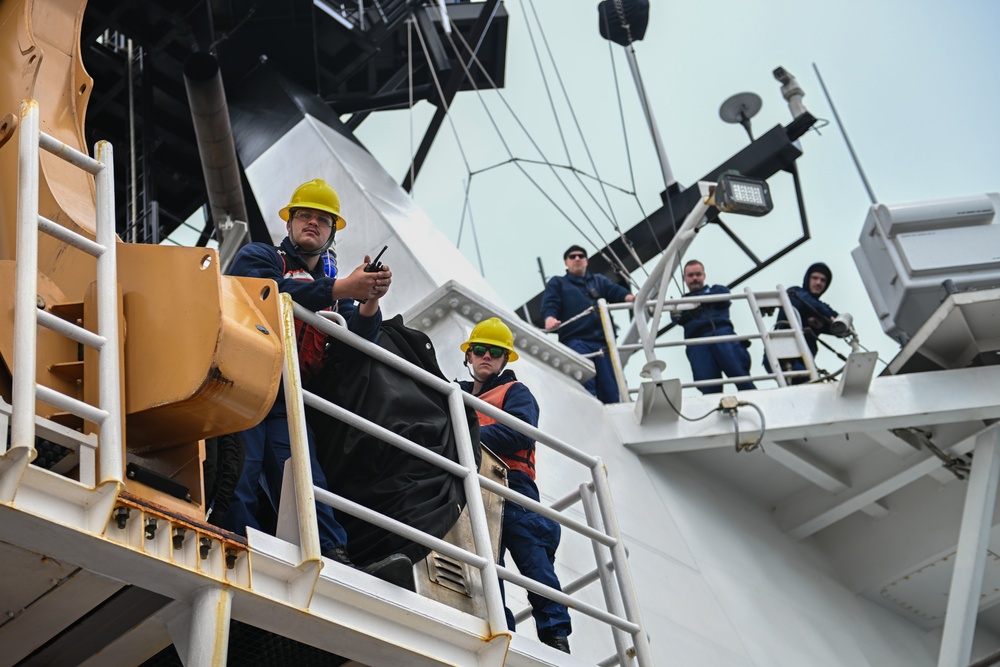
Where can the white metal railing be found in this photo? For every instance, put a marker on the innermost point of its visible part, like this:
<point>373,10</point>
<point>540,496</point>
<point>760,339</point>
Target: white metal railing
<point>779,344</point>
<point>27,316</point>
<point>601,527</point>
<point>651,305</point>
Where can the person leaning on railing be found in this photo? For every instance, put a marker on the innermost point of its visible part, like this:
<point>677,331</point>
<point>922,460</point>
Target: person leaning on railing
<point>531,538</point>
<point>815,315</point>
<point>305,267</point>
<point>710,361</point>
<point>568,296</point>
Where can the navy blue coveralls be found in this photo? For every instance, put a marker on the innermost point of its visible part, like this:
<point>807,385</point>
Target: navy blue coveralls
<point>569,295</point>
<point>807,306</point>
<point>709,362</point>
<point>531,538</point>
<point>267,445</point>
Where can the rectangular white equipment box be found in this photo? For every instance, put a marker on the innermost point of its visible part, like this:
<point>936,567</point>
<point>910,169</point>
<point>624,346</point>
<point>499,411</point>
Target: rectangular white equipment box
<point>909,252</point>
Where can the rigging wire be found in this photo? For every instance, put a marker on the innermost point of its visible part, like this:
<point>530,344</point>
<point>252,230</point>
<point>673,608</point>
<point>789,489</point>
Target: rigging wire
<point>570,168</point>
<point>507,147</point>
<point>628,154</point>
<point>451,124</point>
<point>474,58</point>
<point>472,223</point>
<point>610,214</point>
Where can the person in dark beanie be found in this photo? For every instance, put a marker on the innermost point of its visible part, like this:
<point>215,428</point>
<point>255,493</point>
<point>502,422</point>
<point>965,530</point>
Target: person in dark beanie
<point>815,315</point>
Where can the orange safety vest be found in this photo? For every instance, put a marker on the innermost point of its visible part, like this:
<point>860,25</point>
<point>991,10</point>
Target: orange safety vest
<point>311,341</point>
<point>522,459</point>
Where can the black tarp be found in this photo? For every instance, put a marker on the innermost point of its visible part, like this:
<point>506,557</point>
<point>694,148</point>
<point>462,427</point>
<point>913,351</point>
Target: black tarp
<point>372,472</point>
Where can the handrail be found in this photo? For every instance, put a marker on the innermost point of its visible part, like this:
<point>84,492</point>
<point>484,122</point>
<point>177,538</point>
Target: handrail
<point>776,296</point>
<point>27,316</point>
<point>626,618</point>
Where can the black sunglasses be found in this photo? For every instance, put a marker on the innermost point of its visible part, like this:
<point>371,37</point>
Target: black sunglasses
<point>481,350</point>
<point>575,255</point>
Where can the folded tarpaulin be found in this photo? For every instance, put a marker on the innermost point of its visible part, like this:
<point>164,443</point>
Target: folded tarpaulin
<point>372,472</point>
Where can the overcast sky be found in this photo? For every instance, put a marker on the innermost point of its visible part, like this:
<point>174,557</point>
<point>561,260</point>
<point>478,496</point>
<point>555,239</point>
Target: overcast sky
<point>914,81</point>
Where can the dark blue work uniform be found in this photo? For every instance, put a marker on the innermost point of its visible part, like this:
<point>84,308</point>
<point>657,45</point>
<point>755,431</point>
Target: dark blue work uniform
<point>531,538</point>
<point>807,306</point>
<point>267,445</point>
<point>709,362</point>
<point>569,295</point>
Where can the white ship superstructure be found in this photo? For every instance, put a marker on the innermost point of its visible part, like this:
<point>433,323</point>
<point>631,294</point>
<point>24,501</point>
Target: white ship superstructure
<point>839,523</point>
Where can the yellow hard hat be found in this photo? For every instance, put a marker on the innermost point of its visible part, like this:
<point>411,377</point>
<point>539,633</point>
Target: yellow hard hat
<point>315,194</point>
<point>492,332</point>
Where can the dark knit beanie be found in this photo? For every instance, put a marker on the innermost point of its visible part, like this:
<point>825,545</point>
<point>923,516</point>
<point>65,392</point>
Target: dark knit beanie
<point>818,267</point>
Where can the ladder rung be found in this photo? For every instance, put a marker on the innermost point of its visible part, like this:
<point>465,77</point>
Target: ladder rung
<point>70,330</point>
<point>55,230</point>
<point>64,402</point>
<point>70,154</point>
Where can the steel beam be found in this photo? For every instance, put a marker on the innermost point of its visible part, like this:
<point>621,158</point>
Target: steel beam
<point>970,561</point>
<point>808,512</point>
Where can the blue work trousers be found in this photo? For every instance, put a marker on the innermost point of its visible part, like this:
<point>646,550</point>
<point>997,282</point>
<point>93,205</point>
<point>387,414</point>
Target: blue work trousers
<point>603,385</point>
<point>709,362</point>
<point>266,448</point>
<point>532,540</point>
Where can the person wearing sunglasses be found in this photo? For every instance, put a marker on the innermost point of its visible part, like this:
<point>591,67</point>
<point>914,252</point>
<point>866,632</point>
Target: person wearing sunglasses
<point>568,296</point>
<point>531,538</point>
<point>304,265</point>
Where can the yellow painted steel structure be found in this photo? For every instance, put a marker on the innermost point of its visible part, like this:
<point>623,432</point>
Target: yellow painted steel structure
<point>201,352</point>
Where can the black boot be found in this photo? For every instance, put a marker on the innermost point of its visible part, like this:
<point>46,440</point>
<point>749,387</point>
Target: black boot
<point>396,568</point>
<point>556,641</point>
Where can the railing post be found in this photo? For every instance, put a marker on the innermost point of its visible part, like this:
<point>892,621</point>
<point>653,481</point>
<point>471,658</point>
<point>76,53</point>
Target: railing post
<point>616,362</point>
<point>620,560</point>
<point>305,497</point>
<point>612,597</point>
<point>22,423</point>
<point>110,443</point>
<point>477,513</point>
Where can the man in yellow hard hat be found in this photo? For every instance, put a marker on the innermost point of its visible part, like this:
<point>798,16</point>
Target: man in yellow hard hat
<point>531,538</point>
<point>304,265</point>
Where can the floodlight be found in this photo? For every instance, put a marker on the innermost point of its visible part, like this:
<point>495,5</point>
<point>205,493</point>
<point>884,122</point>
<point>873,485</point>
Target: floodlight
<point>842,325</point>
<point>739,194</point>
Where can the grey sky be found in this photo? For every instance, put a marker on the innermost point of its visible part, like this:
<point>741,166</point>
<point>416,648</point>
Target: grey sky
<point>915,83</point>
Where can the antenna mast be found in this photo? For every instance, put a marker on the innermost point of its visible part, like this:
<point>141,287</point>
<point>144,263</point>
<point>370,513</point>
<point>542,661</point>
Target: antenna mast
<point>843,132</point>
